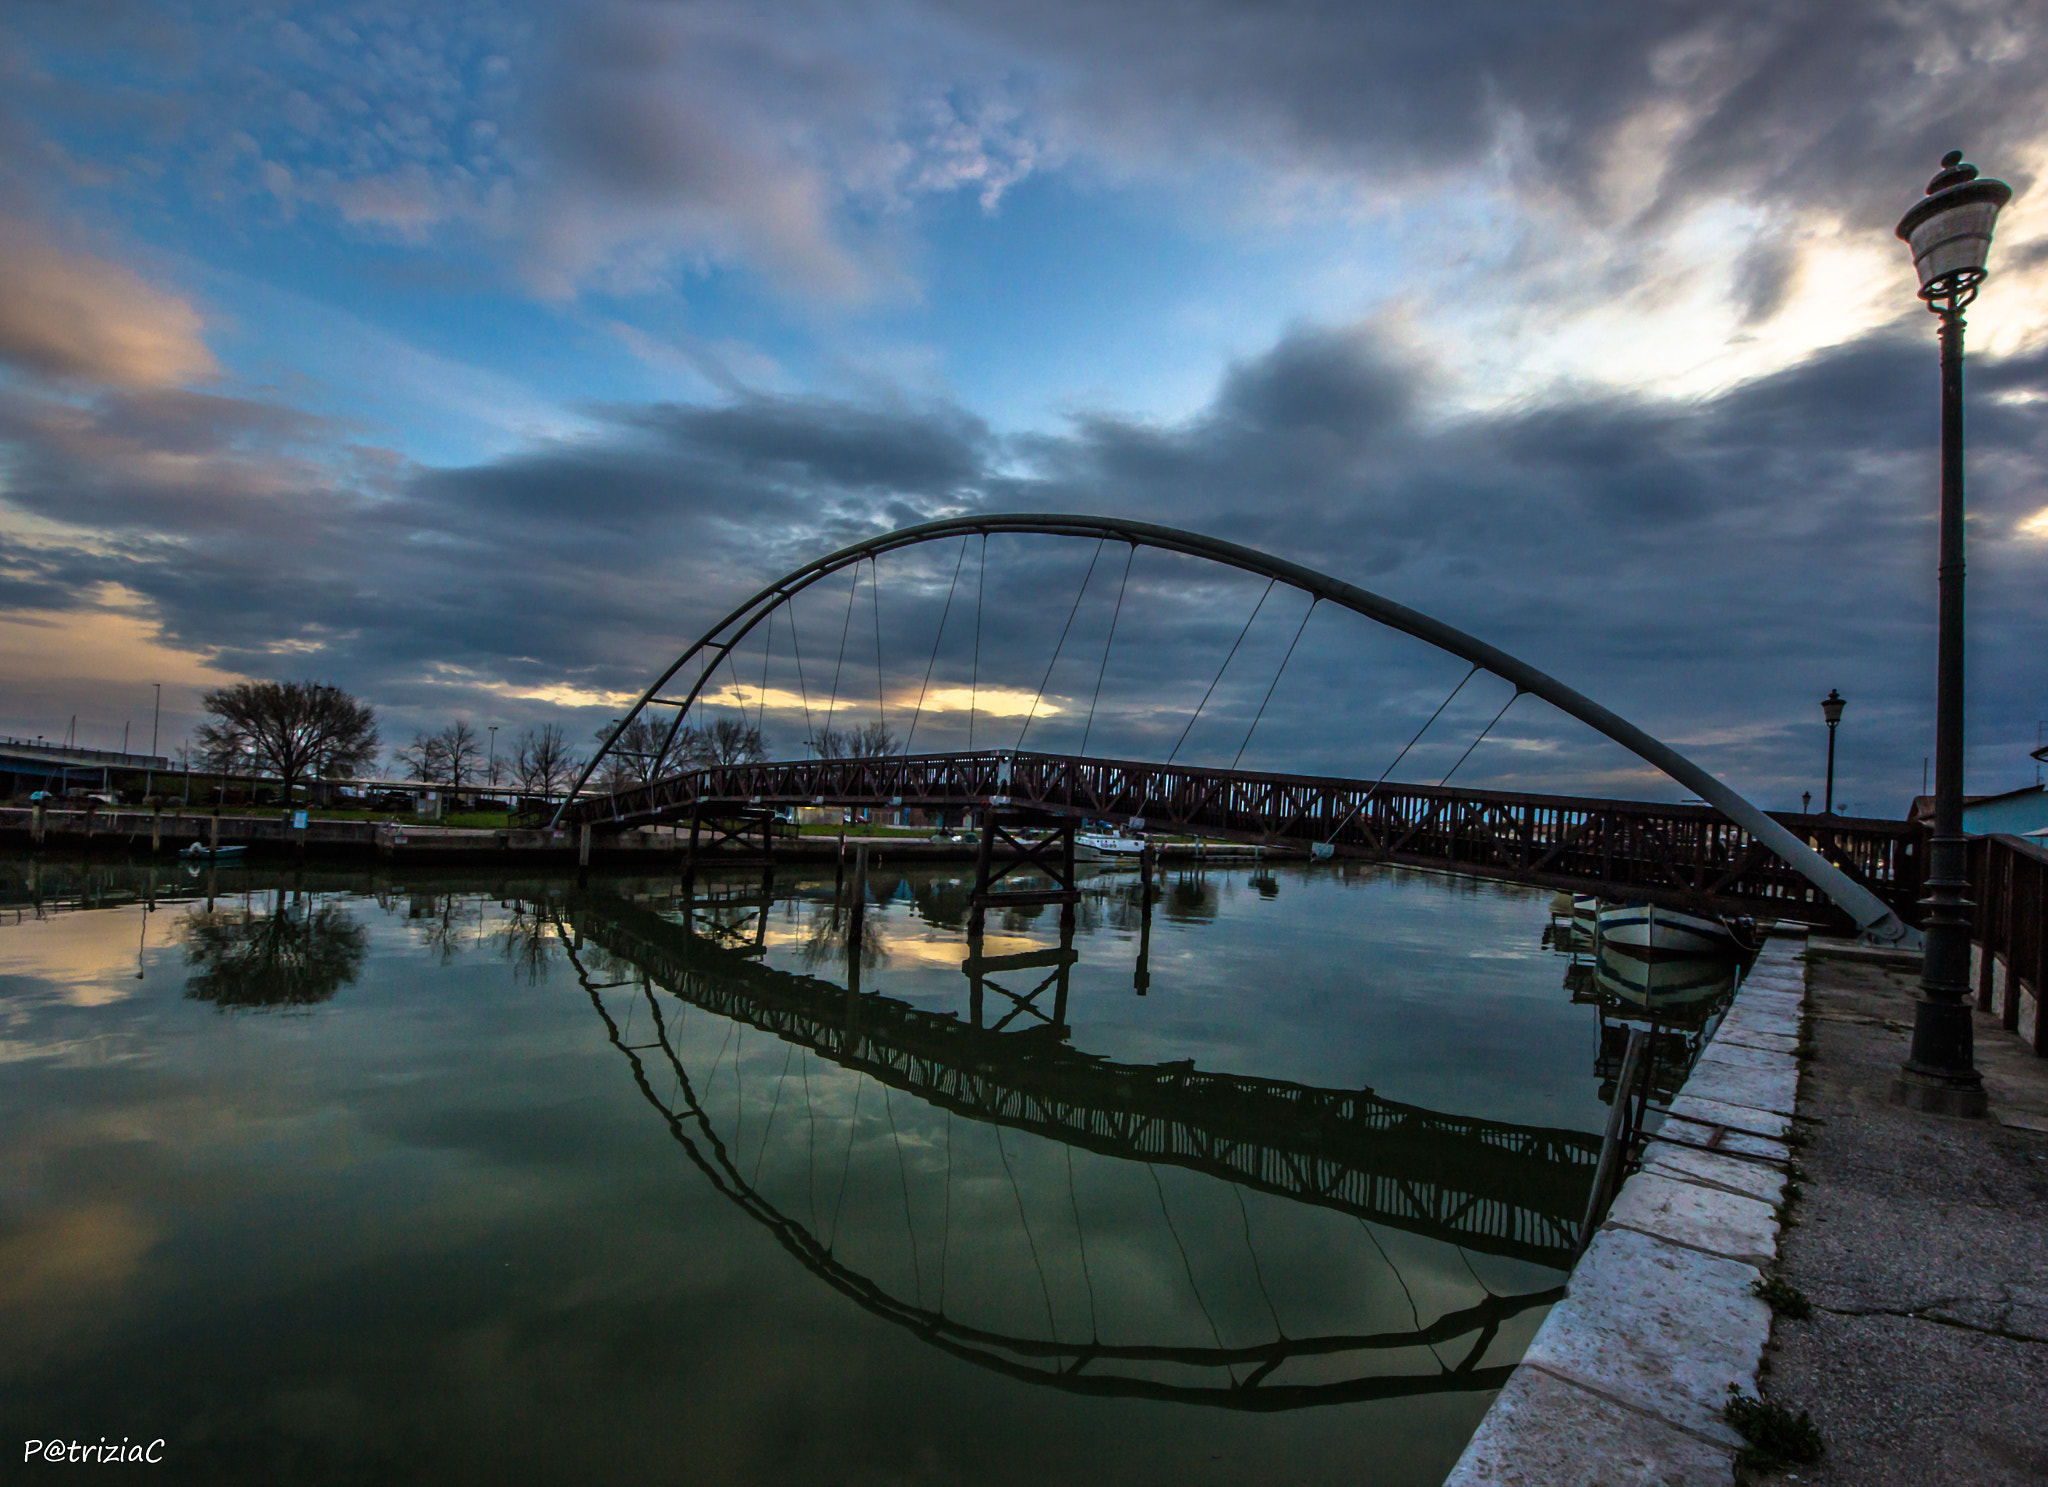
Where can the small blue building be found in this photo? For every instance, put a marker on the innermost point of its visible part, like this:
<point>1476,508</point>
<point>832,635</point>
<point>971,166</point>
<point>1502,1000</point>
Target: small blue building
<point>2016,811</point>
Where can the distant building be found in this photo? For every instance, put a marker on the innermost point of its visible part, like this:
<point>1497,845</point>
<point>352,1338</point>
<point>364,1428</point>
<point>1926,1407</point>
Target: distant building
<point>2017,812</point>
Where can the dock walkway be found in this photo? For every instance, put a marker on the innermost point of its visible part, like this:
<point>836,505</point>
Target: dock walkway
<point>1922,1243</point>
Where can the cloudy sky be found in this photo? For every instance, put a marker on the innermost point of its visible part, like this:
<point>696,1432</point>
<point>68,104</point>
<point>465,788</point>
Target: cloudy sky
<point>475,355</point>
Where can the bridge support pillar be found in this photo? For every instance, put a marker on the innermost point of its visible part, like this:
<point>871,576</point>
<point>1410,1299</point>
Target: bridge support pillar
<point>583,845</point>
<point>156,827</point>
<point>1052,854</point>
<point>36,821</point>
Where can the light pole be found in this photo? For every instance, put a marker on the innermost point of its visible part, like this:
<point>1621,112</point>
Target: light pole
<point>1831,708</point>
<point>156,715</point>
<point>1949,233</point>
<point>492,768</point>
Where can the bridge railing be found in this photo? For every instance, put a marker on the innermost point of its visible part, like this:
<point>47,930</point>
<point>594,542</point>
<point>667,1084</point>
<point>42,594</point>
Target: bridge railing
<point>1686,854</point>
<point>2009,941</point>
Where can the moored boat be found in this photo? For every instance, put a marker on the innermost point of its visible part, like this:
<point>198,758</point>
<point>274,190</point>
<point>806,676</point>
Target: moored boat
<point>1647,930</point>
<point>200,852</point>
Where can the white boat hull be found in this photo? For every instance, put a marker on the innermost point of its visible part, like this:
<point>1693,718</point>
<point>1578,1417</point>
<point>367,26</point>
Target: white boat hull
<point>1651,930</point>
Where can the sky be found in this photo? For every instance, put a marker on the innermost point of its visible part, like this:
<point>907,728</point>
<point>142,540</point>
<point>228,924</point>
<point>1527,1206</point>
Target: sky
<point>476,356</point>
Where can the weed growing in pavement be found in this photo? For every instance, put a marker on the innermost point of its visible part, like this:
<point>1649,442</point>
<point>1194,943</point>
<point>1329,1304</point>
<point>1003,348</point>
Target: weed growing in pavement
<point>1786,1299</point>
<point>1777,1438</point>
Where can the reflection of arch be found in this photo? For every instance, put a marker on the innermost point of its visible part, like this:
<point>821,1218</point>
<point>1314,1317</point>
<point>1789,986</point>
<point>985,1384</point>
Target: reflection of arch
<point>716,644</point>
<point>1049,1361</point>
<point>1510,1190</point>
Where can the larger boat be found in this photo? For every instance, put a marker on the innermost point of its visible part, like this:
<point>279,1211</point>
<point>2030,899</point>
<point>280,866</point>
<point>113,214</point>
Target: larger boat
<point>1650,930</point>
<point>1094,846</point>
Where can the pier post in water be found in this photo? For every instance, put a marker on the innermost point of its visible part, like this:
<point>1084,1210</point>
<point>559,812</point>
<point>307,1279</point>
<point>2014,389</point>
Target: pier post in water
<point>856,925</point>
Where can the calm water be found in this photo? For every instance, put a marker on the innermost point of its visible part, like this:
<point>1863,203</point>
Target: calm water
<point>346,1178</point>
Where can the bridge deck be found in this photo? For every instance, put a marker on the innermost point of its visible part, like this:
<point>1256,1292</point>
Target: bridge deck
<point>1684,855</point>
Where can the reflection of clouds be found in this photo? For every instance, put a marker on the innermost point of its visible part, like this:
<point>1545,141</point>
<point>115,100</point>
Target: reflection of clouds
<point>60,1270</point>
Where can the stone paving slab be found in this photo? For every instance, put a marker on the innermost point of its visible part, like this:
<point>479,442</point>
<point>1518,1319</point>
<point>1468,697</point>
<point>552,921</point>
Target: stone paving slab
<point>1544,1432</point>
<point>1734,1117</point>
<point>1662,1329</point>
<point>1742,1037</point>
<point>1772,1090</point>
<point>1921,1243</point>
<point>1759,1180</point>
<point>1735,1143</point>
<point>1698,1217</point>
<point>1727,1050</point>
<point>1757,1020</point>
<point>1624,1383</point>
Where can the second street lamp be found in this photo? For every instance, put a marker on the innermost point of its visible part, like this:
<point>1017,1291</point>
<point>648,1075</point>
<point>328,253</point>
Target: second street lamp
<point>1831,708</point>
<point>1949,232</point>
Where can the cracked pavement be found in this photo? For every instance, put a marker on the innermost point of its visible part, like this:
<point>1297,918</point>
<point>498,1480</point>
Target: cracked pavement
<point>1921,1242</point>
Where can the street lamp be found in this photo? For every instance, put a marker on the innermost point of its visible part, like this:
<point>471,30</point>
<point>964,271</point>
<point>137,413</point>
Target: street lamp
<point>1949,233</point>
<point>1831,708</point>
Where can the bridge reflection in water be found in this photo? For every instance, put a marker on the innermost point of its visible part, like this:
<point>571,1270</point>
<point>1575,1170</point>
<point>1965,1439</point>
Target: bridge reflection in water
<point>1483,1187</point>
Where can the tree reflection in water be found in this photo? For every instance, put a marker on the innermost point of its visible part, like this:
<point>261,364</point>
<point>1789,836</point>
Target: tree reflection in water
<point>298,954</point>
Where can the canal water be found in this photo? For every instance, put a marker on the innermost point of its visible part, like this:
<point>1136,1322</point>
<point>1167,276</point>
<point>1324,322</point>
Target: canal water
<point>338,1177</point>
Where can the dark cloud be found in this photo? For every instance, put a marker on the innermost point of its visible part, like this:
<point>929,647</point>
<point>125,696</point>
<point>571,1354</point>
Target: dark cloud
<point>1709,570</point>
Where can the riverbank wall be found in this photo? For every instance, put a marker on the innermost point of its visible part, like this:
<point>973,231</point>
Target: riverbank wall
<point>1626,1381</point>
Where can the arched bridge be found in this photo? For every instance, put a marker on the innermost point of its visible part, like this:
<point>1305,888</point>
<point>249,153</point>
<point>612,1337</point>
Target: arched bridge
<point>1517,1191</point>
<point>1732,852</point>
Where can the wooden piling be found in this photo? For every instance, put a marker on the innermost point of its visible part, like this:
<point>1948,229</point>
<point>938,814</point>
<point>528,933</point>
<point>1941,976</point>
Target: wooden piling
<point>583,845</point>
<point>856,925</point>
<point>156,827</point>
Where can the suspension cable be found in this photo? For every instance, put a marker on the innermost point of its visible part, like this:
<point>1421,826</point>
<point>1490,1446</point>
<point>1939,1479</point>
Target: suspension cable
<point>1188,1266</point>
<point>875,598</point>
<point>1365,798</point>
<point>1313,601</point>
<point>974,686</point>
<point>1039,696</point>
<point>903,1175</point>
<point>1025,1222</point>
<point>1081,1238</point>
<point>1101,670</point>
<point>934,661</point>
<point>803,690</point>
<point>1258,1271</point>
<point>1221,669</point>
<point>767,650</point>
<point>1479,740</point>
<point>845,629</point>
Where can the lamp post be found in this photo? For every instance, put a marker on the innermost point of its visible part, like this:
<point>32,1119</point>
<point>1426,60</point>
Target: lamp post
<point>492,768</point>
<point>1949,233</point>
<point>1831,708</point>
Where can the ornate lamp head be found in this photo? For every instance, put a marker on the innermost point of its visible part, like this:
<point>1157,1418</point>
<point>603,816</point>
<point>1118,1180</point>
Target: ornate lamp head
<point>1949,232</point>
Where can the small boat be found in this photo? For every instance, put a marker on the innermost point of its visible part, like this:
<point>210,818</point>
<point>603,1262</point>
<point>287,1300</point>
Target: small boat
<point>1105,847</point>
<point>1647,930</point>
<point>200,852</point>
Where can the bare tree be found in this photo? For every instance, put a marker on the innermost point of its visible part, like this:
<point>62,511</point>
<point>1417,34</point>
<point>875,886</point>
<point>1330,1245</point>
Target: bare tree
<point>542,761</point>
<point>638,755</point>
<point>460,755</point>
<point>421,759</point>
<point>729,741</point>
<point>296,730</point>
<point>869,741</point>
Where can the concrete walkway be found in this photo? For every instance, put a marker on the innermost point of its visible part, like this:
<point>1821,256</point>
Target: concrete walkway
<point>1922,1243</point>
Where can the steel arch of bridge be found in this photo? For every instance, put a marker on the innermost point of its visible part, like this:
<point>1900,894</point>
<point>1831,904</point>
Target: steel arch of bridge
<point>1871,915</point>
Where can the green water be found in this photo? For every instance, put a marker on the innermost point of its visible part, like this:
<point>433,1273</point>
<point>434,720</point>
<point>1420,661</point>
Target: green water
<point>359,1178</point>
